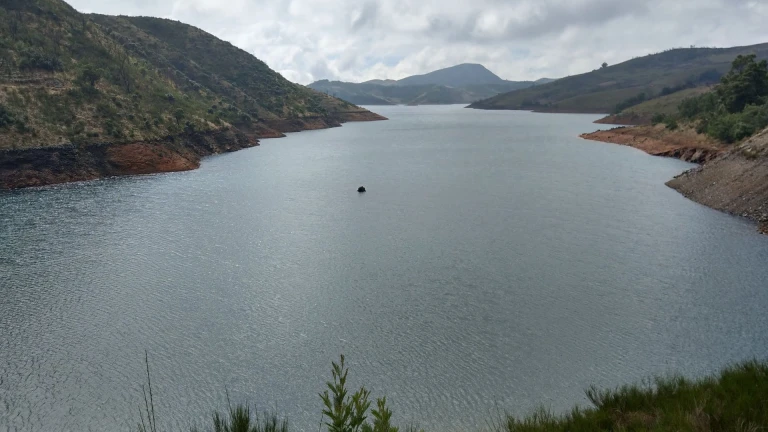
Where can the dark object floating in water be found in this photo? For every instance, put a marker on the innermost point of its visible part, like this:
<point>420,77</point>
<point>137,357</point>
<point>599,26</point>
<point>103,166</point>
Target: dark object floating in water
<point>361,189</point>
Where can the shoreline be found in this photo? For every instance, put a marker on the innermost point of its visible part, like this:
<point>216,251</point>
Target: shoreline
<point>657,141</point>
<point>44,166</point>
<point>730,180</point>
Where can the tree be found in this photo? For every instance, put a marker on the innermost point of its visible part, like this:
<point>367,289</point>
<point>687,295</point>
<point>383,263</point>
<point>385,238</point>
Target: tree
<point>122,67</point>
<point>604,65</point>
<point>178,115</point>
<point>6,118</point>
<point>14,23</point>
<point>7,64</point>
<point>745,84</point>
<point>89,76</point>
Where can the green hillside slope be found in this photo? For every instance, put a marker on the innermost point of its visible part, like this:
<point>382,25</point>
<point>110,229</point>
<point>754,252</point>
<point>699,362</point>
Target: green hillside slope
<point>91,83</point>
<point>600,91</point>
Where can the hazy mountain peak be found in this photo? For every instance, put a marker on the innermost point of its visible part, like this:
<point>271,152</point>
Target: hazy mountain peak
<point>455,76</point>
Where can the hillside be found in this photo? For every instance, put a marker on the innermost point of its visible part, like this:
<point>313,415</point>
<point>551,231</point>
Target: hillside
<point>602,90</point>
<point>88,96</point>
<point>642,113</point>
<point>724,128</point>
<point>461,84</point>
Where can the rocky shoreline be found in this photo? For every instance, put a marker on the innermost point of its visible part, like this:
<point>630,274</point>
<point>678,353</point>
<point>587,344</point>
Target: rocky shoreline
<point>69,163</point>
<point>657,141</point>
<point>733,180</point>
<point>736,183</point>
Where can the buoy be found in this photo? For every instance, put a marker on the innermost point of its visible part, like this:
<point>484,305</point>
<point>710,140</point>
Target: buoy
<point>361,189</point>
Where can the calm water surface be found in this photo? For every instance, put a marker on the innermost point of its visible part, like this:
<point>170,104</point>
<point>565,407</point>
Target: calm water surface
<point>497,263</point>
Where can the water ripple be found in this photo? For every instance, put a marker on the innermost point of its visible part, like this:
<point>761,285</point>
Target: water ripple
<point>478,276</point>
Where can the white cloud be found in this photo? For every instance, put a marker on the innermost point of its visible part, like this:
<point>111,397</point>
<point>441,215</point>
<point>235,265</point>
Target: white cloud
<point>356,40</point>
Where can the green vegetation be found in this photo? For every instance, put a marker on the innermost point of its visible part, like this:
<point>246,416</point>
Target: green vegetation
<point>602,90</point>
<point>738,106</point>
<point>667,104</point>
<point>6,118</point>
<point>734,400</point>
<point>66,77</point>
<point>342,412</point>
<point>634,100</point>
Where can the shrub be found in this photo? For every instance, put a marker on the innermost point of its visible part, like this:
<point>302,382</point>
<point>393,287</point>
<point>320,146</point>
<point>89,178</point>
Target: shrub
<point>657,118</point>
<point>33,58</point>
<point>112,128</point>
<point>634,100</point>
<point>347,413</point>
<point>89,76</point>
<point>674,89</point>
<point>698,105</point>
<point>737,126</point>
<point>178,115</point>
<point>6,117</point>
<point>670,122</point>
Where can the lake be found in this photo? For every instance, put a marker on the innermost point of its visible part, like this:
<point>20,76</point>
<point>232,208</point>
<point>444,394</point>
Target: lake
<point>497,263</point>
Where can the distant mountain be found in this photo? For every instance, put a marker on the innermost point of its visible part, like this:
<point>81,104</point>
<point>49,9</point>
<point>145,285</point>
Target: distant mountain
<point>464,83</point>
<point>613,88</point>
<point>455,76</point>
<point>387,82</point>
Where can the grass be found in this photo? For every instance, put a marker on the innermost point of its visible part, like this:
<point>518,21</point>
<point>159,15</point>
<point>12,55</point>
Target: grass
<point>668,104</point>
<point>736,400</point>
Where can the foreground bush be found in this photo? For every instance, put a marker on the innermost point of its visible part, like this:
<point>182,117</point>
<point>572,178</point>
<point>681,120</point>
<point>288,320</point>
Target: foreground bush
<point>735,400</point>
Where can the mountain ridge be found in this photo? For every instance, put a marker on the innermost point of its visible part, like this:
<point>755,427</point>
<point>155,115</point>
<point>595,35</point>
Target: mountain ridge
<point>463,83</point>
<point>602,90</point>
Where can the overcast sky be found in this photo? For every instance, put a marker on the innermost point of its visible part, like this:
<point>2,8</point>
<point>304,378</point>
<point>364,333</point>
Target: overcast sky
<point>357,40</point>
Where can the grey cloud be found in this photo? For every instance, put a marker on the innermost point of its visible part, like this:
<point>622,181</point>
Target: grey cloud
<point>366,15</point>
<point>548,17</point>
<point>557,17</point>
<point>358,40</point>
